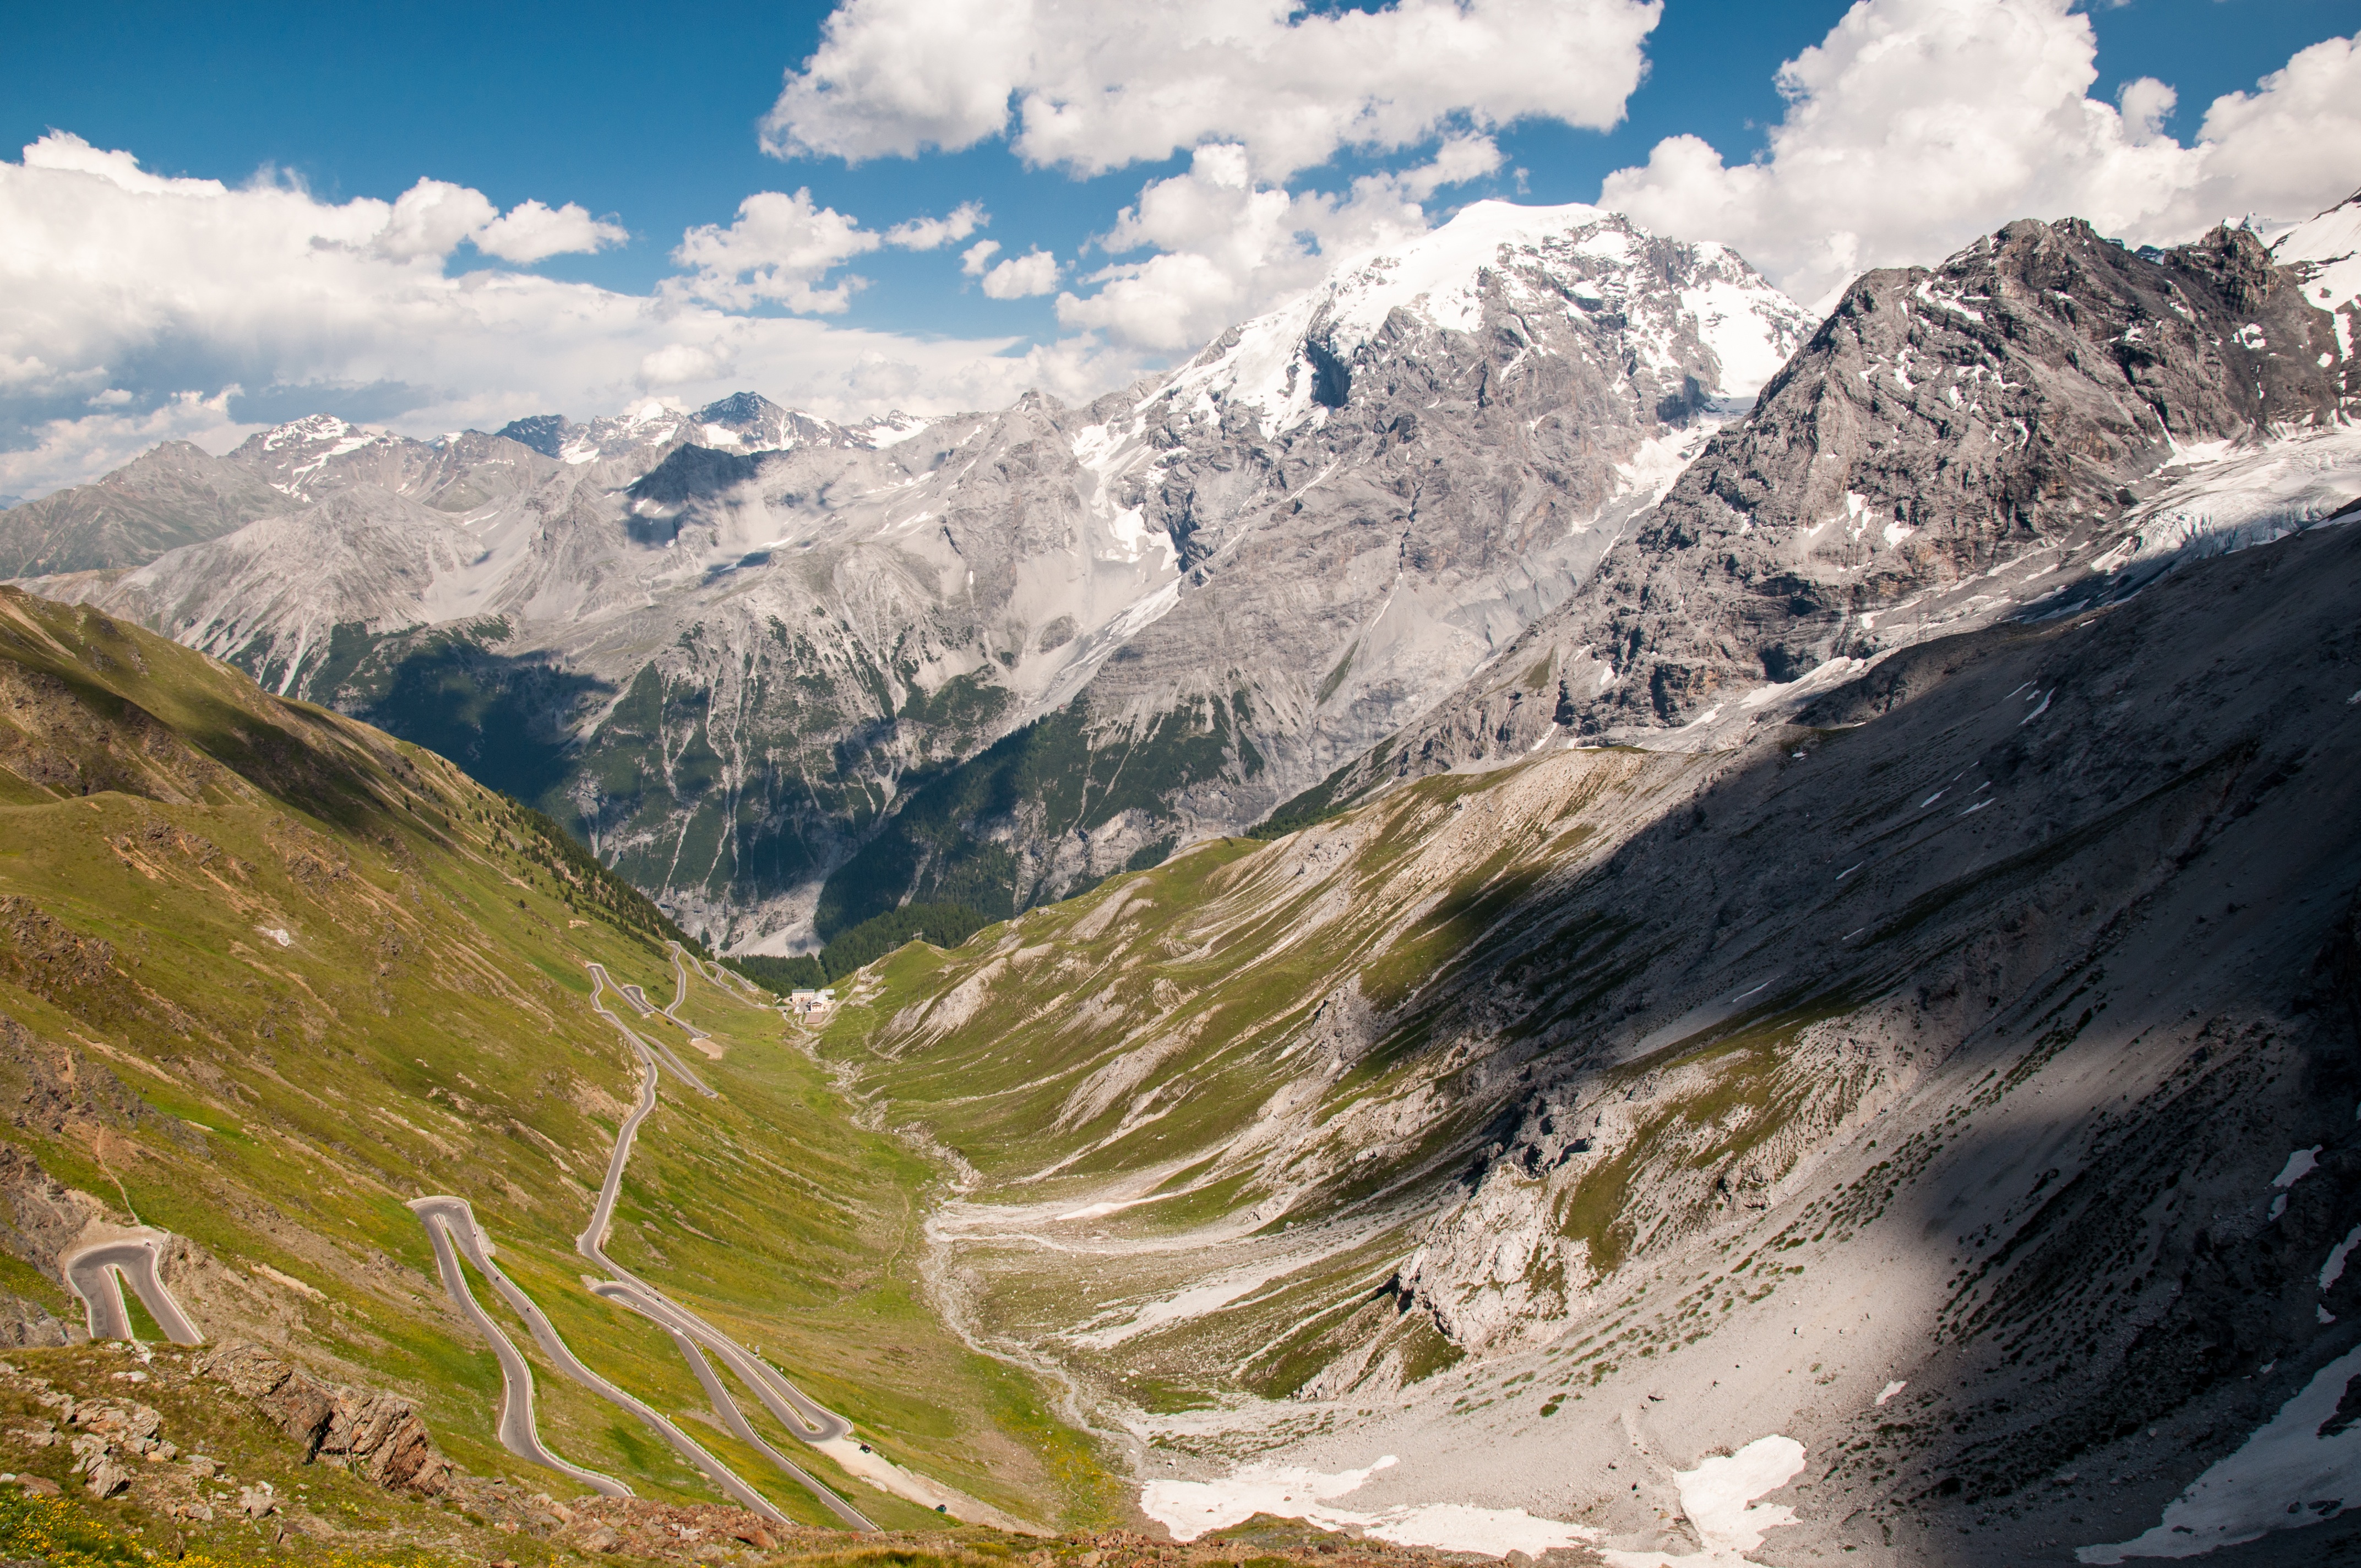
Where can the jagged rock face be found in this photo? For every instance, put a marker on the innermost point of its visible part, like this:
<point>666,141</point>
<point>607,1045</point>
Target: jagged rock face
<point>1943,427</point>
<point>1470,448</point>
<point>380,1435</point>
<point>1008,653</point>
<point>1369,493</point>
<point>1955,1039</point>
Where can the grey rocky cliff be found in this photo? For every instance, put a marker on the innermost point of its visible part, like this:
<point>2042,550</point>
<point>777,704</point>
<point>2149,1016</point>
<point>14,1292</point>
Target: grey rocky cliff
<point>1953,443</point>
<point>174,494</point>
<point>1366,494</point>
<point>378,1435</point>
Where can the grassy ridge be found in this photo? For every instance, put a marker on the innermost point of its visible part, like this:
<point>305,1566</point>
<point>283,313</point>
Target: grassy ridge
<point>269,973</point>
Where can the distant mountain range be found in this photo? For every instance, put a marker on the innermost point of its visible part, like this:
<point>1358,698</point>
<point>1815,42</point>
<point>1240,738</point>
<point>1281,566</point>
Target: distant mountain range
<point>788,674</point>
<point>784,674</point>
<point>1655,906</point>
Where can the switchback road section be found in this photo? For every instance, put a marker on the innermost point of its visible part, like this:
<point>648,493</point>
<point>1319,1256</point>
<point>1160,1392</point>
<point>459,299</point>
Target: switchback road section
<point>95,1270</point>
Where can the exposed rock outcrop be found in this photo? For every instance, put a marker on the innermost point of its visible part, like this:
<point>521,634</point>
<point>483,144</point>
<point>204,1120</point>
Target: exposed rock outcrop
<point>1943,425</point>
<point>28,1324</point>
<point>380,1435</point>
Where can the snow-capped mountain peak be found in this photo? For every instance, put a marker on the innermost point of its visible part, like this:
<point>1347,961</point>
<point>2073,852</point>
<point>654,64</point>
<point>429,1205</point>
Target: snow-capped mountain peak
<point>1667,299</point>
<point>2329,247</point>
<point>309,429</point>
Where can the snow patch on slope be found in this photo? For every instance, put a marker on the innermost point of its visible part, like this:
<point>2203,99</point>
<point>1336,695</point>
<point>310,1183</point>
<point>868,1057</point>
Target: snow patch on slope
<point>1718,1497</point>
<point>2231,501</point>
<point>1189,1508</point>
<point>2293,1472</point>
<point>2331,243</point>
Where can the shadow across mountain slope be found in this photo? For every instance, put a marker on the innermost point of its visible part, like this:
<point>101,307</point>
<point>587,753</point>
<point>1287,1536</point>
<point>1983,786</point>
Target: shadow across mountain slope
<point>1955,1037</point>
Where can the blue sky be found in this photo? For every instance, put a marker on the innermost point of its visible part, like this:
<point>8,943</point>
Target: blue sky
<point>634,111</point>
<point>648,116</point>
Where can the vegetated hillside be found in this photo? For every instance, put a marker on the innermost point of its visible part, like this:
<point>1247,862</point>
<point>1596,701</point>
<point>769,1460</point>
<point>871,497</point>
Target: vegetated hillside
<point>1949,440</point>
<point>266,974</point>
<point>1917,1080</point>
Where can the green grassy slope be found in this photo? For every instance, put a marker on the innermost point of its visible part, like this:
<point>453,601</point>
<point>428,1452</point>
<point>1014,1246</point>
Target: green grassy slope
<point>265,974</point>
<point>1249,1037</point>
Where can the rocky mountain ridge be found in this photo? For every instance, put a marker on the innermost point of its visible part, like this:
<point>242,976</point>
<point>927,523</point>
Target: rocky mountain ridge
<point>1953,1082</point>
<point>1954,444</point>
<point>783,673</point>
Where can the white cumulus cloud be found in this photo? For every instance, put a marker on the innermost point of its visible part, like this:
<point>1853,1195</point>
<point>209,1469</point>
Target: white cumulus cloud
<point>1097,86</point>
<point>188,309</point>
<point>531,232</point>
<point>1035,272</point>
<point>776,251</point>
<point>1917,124</point>
<point>681,364</point>
<point>2145,104</point>
<point>2292,146</point>
<point>1227,245</point>
<point>781,248</point>
<point>933,233</point>
<point>431,218</point>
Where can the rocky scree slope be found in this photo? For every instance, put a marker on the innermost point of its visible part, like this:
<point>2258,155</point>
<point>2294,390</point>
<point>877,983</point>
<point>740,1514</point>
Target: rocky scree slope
<point>177,494</point>
<point>1949,442</point>
<point>734,647</point>
<point>1958,1079</point>
<point>266,974</point>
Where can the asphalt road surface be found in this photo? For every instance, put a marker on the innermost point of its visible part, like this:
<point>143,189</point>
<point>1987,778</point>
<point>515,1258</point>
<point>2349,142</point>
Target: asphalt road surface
<point>447,1219</point>
<point>95,1274</point>
<point>463,1232</point>
<point>726,1407</point>
<point>451,1225</point>
<point>603,982</point>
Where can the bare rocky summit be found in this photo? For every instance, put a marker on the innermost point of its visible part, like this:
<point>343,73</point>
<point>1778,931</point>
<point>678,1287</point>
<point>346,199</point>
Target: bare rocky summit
<point>1947,443</point>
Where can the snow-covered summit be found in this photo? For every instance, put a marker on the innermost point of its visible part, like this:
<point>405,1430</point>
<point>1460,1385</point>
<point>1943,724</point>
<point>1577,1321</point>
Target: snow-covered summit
<point>1576,262</point>
<point>292,457</point>
<point>2329,245</point>
<point>313,430</point>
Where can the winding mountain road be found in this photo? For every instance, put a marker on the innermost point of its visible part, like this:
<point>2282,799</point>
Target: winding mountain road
<point>603,982</point>
<point>451,1227</point>
<point>801,1415</point>
<point>469,1239</point>
<point>725,1405</point>
<point>96,1272</point>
